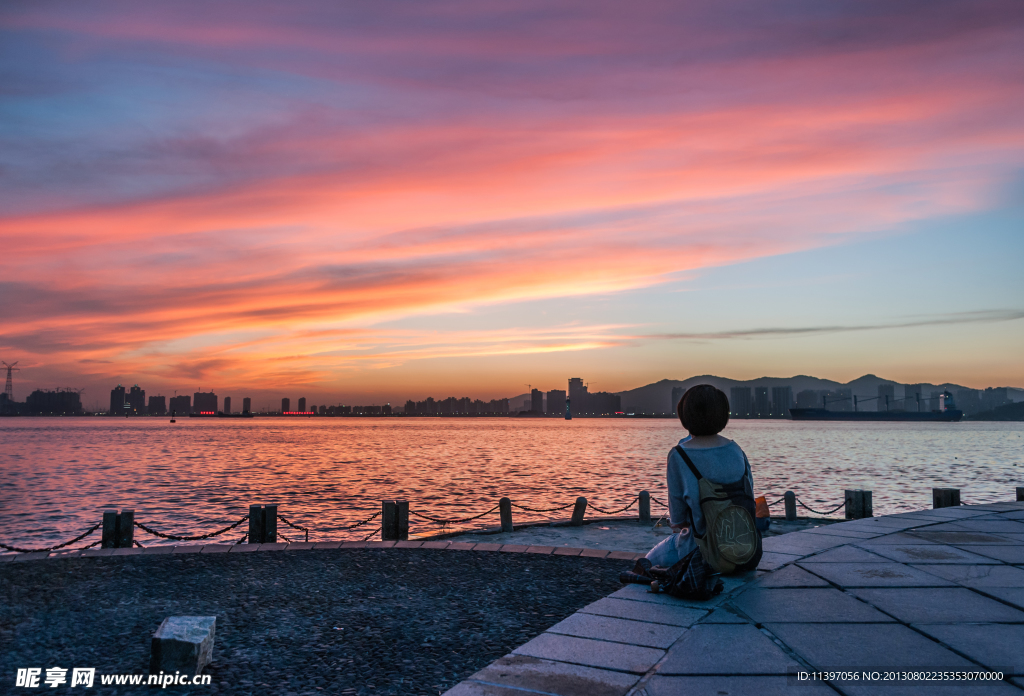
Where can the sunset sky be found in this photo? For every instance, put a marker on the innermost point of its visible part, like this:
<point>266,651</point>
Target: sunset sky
<point>367,202</point>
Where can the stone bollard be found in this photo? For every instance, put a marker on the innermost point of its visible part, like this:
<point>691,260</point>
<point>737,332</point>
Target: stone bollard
<point>182,644</point>
<point>505,510</point>
<point>645,506</point>
<point>118,529</point>
<point>578,511</point>
<point>262,524</point>
<point>790,498</point>
<point>1020,494</point>
<point>945,497</point>
<point>858,504</point>
<point>394,525</point>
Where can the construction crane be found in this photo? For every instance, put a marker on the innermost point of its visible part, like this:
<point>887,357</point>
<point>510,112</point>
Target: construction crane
<point>9,388</point>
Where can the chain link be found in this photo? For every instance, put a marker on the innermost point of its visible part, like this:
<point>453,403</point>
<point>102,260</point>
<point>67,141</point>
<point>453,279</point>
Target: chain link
<point>58,546</point>
<point>554,509</point>
<point>286,539</point>
<point>659,502</point>
<point>816,512</point>
<point>359,524</point>
<point>138,544</point>
<point>464,519</point>
<point>189,538</point>
<point>294,526</point>
<point>367,538</point>
<point>777,501</point>
<point>615,512</point>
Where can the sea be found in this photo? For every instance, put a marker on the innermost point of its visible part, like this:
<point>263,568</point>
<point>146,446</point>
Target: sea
<point>195,476</point>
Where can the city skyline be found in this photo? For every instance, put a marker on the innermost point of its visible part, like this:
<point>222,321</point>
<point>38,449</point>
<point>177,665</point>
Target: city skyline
<point>392,201</point>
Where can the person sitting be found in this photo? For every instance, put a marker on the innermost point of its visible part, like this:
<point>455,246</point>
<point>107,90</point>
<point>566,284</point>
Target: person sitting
<point>704,413</point>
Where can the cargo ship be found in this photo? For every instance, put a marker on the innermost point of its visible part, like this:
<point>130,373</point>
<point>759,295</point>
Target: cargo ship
<point>946,413</point>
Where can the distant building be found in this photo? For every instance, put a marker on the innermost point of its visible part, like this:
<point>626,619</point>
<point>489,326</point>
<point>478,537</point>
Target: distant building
<point>117,401</point>
<point>181,405</point>
<point>204,403</point>
<point>912,396</point>
<point>808,398</point>
<point>286,405</point>
<point>886,397</point>
<point>537,402</point>
<point>740,402</point>
<point>577,394</point>
<point>782,401</point>
<point>762,409</point>
<point>157,406</point>
<point>969,401</point>
<point>841,400</point>
<point>136,400</point>
<point>227,405</point>
<point>61,402</point>
<point>556,402</point>
<point>302,404</point>
<point>246,405</point>
<point>994,398</point>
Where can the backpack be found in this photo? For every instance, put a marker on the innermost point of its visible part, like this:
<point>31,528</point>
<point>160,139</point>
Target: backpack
<point>731,541</point>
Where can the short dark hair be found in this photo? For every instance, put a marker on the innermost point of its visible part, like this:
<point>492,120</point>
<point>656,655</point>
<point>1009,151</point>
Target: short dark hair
<point>704,410</point>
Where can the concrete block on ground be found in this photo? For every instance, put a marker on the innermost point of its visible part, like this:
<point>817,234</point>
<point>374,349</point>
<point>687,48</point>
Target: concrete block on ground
<point>790,576</point>
<point>327,545</point>
<point>460,546</point>
<point>594,553</point>
<point>487,547</point>
<point>723,616</point>
<point>183,644</point>
<point>435,545</point>
<point>110,552</point>
<point>733,686</point>
<point>353,545</point>
<point>618,630</point>
<point>938,605</point>
<point>514,548</point>
<point>39,555</point>
<point>993,526</point>
<point>216,548</point>
<point>645,611</point>
<point>374,544</point>
<point>126,552</point>
<point>805,605</point>
<point>1013,595</point>
<point>958,538</point>
<point>931,553</point>
<point>875,574</point>
<point>300,545</point>
<point>725,649</point>
<point>545,550</point>
<point>771,561</point>
<point>997,646</point>
<point>244,548</point>
<point>865,646</point>
<point>158,549</point>
<point>534,675</point>
<point>801,544</point>
<point>978,575</point>
<point>591,653</point>
<point>567,551</point>
<point>408,544</point>
<point>1007,554</point>
<point>847,554</point>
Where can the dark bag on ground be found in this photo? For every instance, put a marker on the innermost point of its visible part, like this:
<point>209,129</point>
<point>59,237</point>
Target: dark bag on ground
<point>688,578</point>
<point>731,541</point>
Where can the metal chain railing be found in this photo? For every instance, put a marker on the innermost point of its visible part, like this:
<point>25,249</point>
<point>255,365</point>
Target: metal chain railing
<point>189,538</point>
<point>367,538</point>
<point>554,509</point>
<point>286,539</point>
<point>294,526</point>
<point>138,544</point>
<point>615,512</point>
<point>359,524</point>
<point>58,546</point>
<point>817,512</point>
<point>464,519</point>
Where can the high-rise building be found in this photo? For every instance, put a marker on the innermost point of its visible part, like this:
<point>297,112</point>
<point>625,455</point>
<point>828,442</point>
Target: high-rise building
<point>157,406</point>
<point>286,405</point>
<point>556,402</point>
<point>740,403</point>
<point>136,400</point>
<point>577,394</point>
<point>968,401</point>
<point>782,401</point>
<point>808,398</point>
<point>761,406</point>
<point>117,401</point>
<point>886,397</point>
<point>536,402</point>
<point>302,404</point>
<point>181,405</point>
<point>246,405</point>
<point>204,403</point>
<point>60,402</point>
<point>913,394</point>
<point>227,405</point>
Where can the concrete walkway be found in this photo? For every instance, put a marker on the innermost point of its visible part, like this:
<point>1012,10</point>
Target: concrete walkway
<point>935,590</point>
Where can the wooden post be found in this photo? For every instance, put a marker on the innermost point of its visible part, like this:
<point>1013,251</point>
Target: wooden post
<point>578,511</point>
<point>645,506</point>
<point>109,530</point>
<point>790,498</point>
<point>858,504</point>
<point>388,520</point>
<point>1020,494</point>
<point>945,497</point>
<point>403,519</point>
<point>255,524</point>
<point>125,529</point>
<point>505,510</point>
<point>270,523</point>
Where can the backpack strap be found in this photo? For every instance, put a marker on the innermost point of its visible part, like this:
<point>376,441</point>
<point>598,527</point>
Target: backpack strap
<point>689,462</point>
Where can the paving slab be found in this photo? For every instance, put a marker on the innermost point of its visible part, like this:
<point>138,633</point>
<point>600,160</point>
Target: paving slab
<point>865,646</point>
<point>642,593</point>
<point>1006,554</point>
<point>957,538</point>
<point>734,686</point>
<point>897,538</point>
<point>805,605</point>
<point>846,554</point>
<point>244,548</point>
<point>802,543</point>
<point>771,561</point>
<point>534,675</point>
<point>930,553</point>
<point>460,546</point>
<point>996,646</point>
<point>840,530</point>
<point>928,688</point>
<point>645,611</point>
<point>876,574</point>
<point>993,526</point>
<point>723,615</point>
<point>472,688</point>
<point>790,576</point>
<point>938,605</point>
<point>591,653</point>
<point>978,575</point>
<point>1013,595</point>
<point>725,649</point>
<point>619,630</point>
<point>567,551</point>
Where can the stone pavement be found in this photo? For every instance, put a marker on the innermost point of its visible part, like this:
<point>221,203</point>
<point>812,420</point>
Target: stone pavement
<point>929,590</point>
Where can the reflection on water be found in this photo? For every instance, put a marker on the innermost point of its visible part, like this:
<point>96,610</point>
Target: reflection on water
<point>197,475</point>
